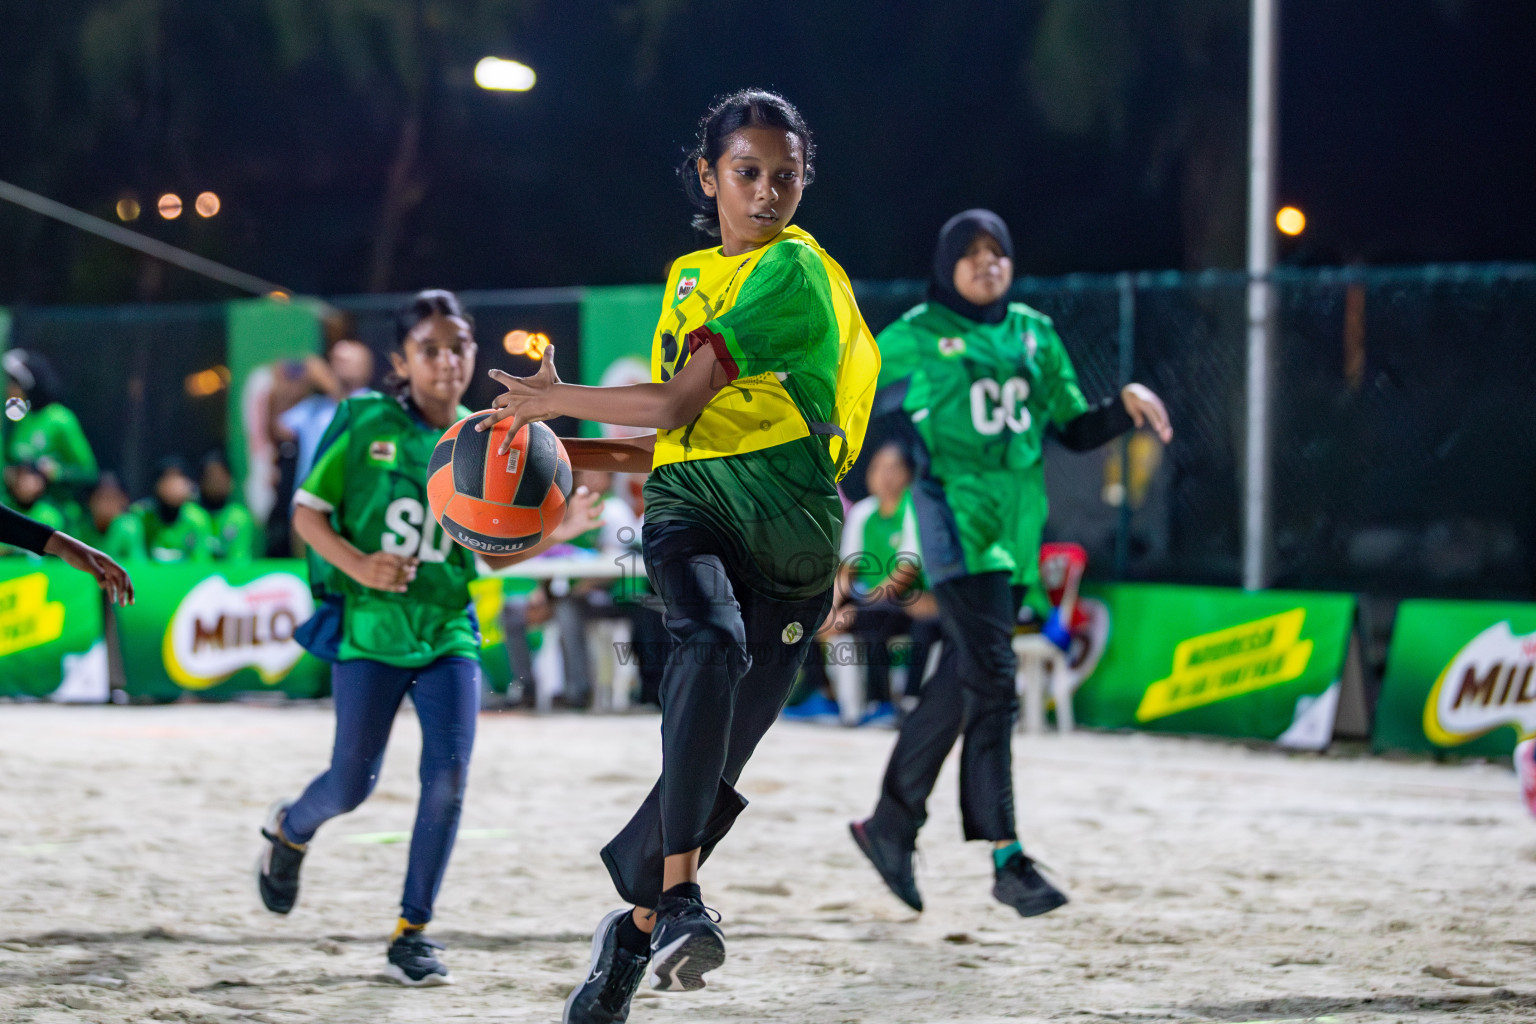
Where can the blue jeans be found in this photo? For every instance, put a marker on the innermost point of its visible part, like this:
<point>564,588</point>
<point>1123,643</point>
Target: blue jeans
<point>367,694</point>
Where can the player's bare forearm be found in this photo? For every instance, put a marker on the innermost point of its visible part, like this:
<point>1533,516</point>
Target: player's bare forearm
<point>664,406</point>
<point>611,454</point>
<point>314,527</point>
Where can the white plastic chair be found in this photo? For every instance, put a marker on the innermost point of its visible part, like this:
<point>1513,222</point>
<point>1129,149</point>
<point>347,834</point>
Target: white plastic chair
<point>1042,667</point>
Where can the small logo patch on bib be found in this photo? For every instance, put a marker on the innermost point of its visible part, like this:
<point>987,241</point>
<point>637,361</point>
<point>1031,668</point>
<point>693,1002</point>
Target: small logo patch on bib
<point>687,281</point>
<point>382,451</point>
<point>951,346</point>
<point>793,632</point>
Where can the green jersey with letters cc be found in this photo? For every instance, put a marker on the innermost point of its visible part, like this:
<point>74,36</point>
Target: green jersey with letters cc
<point>979,397</point>
<point>370,476</point>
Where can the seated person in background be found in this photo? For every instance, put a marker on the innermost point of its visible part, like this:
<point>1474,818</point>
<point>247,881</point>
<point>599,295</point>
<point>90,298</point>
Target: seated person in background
<point>28,489</point>
<point>880,594</point>
<point>108,500</point>
<point>168,526</point>
<point>233,527</point>
<point>49,434</point>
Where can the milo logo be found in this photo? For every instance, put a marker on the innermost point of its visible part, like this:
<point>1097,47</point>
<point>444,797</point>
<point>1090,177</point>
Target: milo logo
<point>1491,682</point>
<point>219,629</point>
<point>687,281</point>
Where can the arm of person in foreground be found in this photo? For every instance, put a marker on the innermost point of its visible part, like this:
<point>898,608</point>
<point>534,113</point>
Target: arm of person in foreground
<point>665,406</point>
<point>611,454</point>
<point>28,533</point>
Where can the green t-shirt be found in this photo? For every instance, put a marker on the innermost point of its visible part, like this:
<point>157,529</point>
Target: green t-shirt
<point>875,545</point>
<point>51,436</point>
<point>370,476</point>
<point>776,509</point>
<point>980,396</point>
<point>234,533</point>
<point>140,533</point>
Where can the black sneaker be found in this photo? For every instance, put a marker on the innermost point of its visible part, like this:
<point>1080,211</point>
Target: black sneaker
<point>612,978</point>
<point>277,869</point>
<point>892,860</point>
<point>413,961</point>
<point>686,944</point>
<point>1021,886</point>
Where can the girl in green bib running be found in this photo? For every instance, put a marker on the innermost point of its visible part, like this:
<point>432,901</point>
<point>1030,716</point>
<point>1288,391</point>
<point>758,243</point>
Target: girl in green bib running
<point>762,374</point>
<point>394,618</point>
<point>971,381</point>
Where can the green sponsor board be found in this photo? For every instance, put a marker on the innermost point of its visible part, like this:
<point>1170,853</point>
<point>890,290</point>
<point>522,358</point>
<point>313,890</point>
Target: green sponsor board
<point>213,631</point>
<point>50,615</point>
<point>616,327</point>
<point>489,593</point>
<point>1461,678</point>
<point>217,630</point>
<point>1219,662</point>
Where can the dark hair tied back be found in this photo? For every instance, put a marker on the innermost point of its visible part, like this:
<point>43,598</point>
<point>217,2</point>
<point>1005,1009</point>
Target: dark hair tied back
<point>748,108</point>
<point>424,305</point>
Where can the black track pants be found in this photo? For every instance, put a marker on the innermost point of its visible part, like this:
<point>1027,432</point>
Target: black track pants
<point>971,692</point>
<point>724,684</point>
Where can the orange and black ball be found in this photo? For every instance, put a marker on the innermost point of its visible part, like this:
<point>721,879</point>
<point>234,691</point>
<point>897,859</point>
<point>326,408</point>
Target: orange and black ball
<point>498,504</point>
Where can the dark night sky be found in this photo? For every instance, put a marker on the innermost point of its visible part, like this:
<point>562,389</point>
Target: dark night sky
<point>1405,136</point>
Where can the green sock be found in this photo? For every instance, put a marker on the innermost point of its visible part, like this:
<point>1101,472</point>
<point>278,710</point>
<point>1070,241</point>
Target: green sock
<point>1001,854</point>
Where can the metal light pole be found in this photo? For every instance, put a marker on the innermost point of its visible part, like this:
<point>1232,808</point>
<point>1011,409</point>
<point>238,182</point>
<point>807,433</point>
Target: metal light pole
<point>1261,311</point>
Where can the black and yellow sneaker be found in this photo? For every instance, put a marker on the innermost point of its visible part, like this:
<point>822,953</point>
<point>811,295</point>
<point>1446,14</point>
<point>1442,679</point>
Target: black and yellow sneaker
<point>413,959</point>
<point>612,977</point>
<point>277,869</point>
<point>686,944</point>
<point>1019,884</point>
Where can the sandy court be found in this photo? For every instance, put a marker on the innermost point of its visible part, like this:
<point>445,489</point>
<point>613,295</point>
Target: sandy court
<point>1209,882</point>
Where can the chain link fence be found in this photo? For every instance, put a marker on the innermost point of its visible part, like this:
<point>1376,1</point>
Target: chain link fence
<point>1402,444</point>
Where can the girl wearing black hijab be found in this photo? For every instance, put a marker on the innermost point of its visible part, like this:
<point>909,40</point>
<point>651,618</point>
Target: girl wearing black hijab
<point>971,382</point>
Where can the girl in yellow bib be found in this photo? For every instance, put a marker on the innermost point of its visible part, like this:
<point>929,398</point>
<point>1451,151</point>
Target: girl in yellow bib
<point>763,372</point>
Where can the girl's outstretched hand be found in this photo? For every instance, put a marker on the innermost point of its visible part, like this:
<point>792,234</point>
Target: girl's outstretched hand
<point>526,400</point>
<point>583,512</point>
<point>1145,408</point>
<point>110,576</point>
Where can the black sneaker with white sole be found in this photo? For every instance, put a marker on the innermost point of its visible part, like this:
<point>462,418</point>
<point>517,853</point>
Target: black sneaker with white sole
<point>686,944</point>
<point>413,961</point>
<point>612,977</point>
<point>277,869</point>
<point>1019,884</point>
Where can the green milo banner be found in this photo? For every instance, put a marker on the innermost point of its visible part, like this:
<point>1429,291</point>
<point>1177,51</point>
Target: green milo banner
<point>1461,679</point>
<point>1220,662</point>
<point>214,630</point>
<point>50,628</point>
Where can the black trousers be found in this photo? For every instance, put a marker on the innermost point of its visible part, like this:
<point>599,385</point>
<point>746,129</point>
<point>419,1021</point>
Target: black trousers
<point>724,684</point>
<point>971,692</point>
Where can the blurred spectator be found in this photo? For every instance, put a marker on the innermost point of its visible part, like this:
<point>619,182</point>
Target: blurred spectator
<point>168,526</point>
<point>233,528</point>
<point>49,435</point>
<point>28,489</point>
<point>108,501</point>
<point>349,371</point>
<point>880,592</point>
<point>304,398</point>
